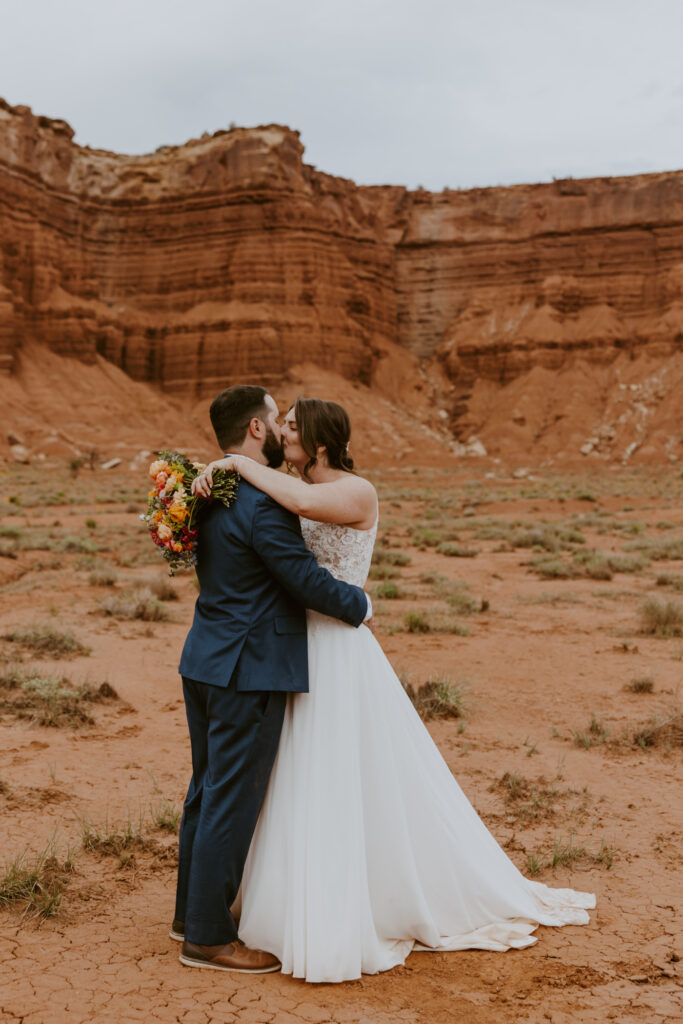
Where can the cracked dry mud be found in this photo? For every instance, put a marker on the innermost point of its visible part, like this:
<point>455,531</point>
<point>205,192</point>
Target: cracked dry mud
<point>537,667</point>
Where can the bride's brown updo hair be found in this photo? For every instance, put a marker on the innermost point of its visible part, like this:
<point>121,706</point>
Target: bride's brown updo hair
<point>327,424</point>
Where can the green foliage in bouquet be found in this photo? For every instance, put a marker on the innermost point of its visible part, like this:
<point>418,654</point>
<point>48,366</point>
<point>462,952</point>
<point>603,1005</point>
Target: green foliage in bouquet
<point>172,508</point>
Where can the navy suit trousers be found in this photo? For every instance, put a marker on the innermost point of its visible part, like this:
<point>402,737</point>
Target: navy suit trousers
<point>234,738</point>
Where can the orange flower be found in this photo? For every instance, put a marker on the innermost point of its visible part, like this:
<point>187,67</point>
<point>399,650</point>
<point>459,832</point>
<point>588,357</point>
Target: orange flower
<point>178,513</point>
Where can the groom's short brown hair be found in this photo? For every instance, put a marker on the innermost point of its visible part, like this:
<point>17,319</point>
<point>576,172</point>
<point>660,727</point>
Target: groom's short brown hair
<point>233,410</point>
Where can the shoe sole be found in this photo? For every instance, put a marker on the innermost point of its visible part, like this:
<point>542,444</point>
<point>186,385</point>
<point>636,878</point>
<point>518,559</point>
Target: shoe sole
<point>189,962</point>
<point>176,936</point>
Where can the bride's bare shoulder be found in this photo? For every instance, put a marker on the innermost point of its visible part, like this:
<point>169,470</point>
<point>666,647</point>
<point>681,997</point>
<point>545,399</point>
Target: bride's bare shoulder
<point>362,492</point>
<point>359,484</point>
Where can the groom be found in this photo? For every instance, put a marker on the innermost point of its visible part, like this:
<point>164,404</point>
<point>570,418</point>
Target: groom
<point>245,651</point>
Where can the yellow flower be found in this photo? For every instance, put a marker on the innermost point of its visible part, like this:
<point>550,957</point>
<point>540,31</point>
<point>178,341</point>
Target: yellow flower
<point>178,513</point>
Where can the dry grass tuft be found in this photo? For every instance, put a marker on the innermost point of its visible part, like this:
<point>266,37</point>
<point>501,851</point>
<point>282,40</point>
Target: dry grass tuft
<point>115,840</point>
<point>103,577</point>
<point>432,622</point>
<point>45,642</point>
<point>163,588</point>
<point>567,854</point>
<point>455,550</point>
<point>166,814</point>
<point>386,556</point>
<point>35,882</point>
<point>135,604</point>
<point>661,619</point>
<point>597,732</point>
<point>666,732</point>
<point>437,698</point>
<point>51,701</point>
<point>670,579</point>
<point>641,684</point>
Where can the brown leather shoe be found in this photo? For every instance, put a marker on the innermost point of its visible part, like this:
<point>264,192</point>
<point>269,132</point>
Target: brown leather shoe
<point>177,931</point>
<point>234,957</point>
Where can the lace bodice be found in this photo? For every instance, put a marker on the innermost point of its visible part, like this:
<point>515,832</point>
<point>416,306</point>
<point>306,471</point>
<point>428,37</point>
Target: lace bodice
<point>341,549</point>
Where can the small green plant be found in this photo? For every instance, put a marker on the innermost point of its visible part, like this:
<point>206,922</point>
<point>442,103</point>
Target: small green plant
<point>566,854</point>
<point>46,642</point>
<point>515,785</point>
<point>425,538</point>
<point>113,840</point>
<point>166,814</point>
<point>534,865</point>
<point>91,524</point>
<point>36,882</point>
<point>597,732</point>
<point>416,622</point>
<point>388,590</point>
<point>605,855</point>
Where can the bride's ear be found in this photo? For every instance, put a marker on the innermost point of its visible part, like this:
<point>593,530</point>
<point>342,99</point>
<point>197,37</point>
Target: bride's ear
<point>321,452</point>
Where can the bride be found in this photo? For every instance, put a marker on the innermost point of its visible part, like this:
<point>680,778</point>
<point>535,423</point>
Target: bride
<point>366,847</point>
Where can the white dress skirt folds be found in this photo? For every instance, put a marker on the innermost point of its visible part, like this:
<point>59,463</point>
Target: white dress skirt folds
<point>366,847</point>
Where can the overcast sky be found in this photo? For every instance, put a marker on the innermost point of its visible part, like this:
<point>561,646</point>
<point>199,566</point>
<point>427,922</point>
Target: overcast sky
<point>414,92</point>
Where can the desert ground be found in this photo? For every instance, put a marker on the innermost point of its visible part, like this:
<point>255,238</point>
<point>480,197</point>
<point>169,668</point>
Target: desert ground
<point>545,610</point>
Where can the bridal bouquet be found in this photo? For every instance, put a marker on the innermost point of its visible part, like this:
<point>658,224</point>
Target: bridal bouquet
<point>172,508</point>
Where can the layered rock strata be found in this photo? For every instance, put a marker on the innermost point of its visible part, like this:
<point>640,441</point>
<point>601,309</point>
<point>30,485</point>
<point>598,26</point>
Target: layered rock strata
<point>229,258</point>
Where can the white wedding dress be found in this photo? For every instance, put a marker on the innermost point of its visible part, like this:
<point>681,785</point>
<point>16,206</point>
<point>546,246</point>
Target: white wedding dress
<point>366,847</point>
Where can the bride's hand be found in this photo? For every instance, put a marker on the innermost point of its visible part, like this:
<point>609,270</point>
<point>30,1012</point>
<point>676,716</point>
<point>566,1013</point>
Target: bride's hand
<point>202,484</point>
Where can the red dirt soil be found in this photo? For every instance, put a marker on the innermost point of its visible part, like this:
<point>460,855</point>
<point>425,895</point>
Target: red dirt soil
<point>542,658</point>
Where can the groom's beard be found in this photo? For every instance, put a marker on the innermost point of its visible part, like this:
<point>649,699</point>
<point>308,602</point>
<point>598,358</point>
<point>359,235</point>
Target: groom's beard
<point>272,450</point>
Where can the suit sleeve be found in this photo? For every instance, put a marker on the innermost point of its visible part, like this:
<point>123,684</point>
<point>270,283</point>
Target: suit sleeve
<point>276,538</point>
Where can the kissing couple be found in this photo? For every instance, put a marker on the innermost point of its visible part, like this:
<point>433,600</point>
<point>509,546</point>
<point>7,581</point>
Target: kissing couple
<point>316,790</point>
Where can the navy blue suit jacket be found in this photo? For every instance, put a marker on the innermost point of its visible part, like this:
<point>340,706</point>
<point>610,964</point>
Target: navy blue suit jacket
<point>256,578</point>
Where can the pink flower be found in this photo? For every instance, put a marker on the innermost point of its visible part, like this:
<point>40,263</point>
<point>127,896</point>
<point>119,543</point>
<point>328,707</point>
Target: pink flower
<point>157,467</point>
<point>160,480</point>
<point>164,532</point>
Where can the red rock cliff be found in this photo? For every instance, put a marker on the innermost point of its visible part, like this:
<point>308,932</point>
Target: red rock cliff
<point>229,258</point>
